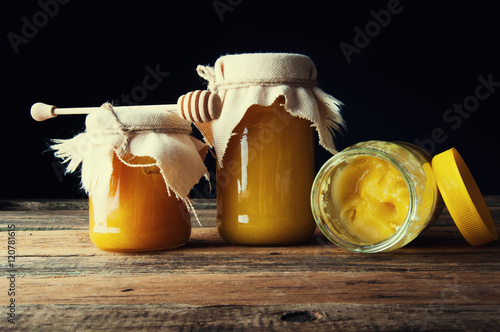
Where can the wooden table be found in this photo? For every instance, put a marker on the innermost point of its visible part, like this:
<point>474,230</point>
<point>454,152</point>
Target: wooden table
<point>62,282</point>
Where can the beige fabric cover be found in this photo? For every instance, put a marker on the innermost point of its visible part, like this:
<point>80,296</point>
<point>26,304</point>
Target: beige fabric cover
<point>159,134</point>
<point>243,80</point>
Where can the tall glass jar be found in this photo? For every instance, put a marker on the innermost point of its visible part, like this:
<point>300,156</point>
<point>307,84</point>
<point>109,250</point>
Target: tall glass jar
<point>264,183</point>
<point>138,214</point>
<point>264,144</point>
<point>376,196</point>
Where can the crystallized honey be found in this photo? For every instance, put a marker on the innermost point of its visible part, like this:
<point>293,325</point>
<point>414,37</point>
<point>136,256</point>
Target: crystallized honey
<point>138,214</point>
<point>376,196</point>
<point>372,198</point>
<point>264,183</point>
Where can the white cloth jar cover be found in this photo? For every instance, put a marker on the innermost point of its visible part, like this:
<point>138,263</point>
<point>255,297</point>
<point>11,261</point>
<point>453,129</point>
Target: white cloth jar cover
<point>158,134</point>
<point>243,80</point>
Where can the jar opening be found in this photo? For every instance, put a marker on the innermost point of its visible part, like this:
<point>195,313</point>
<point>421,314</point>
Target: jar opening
<point>364,200</point>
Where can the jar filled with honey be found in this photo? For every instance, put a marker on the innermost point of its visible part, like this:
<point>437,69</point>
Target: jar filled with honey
<point>264,142</point>
<point>264,182</point>
<point>138,213</point>
<point>138,169</point>
<point>379,196</point>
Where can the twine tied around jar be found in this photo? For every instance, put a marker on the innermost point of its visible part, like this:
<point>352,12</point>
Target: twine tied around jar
<point>139,139</point>
<point>244,80</point>
<point>208,73</point>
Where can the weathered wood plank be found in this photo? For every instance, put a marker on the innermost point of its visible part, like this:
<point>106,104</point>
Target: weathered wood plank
<point>82,204</point>
<point>74,219</point>
<point>78,218</point>
<point>72,253</point>
<point>289,287</point>
<point>438,316</point>
<point>73,204</point>
<point>44,204</point>
<point>313,273</point>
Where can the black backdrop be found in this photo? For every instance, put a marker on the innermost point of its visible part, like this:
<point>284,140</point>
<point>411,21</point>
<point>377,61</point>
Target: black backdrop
<point>423,71</point>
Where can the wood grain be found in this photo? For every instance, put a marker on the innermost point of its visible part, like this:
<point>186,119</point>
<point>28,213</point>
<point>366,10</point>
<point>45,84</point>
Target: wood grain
<point>63,282</point>
<point>264,288</point>
<point>73,204</point>
<point>312,317</point>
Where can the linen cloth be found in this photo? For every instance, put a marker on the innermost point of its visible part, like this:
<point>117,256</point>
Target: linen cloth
<point>243,80</point>
<point>159,134</point>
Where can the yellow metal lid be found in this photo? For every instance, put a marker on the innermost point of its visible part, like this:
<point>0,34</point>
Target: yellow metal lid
<point>463,198</point>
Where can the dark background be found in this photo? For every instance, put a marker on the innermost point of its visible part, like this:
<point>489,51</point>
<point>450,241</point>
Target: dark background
<point>397,87</point>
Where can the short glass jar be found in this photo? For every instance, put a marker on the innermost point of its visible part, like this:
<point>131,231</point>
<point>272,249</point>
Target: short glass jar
<point>138,165</point>
<point>376,196</point>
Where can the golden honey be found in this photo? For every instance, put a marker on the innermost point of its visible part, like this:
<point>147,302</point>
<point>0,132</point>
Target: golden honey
<point>264,183</point>
<point>138,214</point>
<point>372,198</point>
<point>376,196</point>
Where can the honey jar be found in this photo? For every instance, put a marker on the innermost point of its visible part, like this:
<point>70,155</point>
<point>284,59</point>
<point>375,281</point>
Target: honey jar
<point>378,196</point>
<point>138,213</point>
<point>264,142</point>
<point>138,169</point>
<point>264,182</point>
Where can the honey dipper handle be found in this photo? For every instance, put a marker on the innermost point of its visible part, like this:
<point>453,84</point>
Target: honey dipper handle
<point>196,106</point>
<point>42,112</point>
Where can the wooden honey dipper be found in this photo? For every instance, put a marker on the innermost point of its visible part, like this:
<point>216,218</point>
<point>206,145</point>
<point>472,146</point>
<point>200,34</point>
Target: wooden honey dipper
<point>196,106</point>
<point>200,106</point>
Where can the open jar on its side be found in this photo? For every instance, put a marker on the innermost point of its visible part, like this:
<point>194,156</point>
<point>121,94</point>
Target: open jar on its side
<point>376,196</point>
